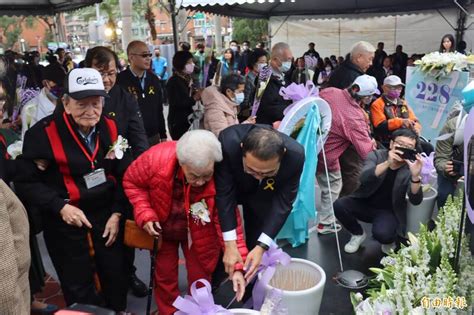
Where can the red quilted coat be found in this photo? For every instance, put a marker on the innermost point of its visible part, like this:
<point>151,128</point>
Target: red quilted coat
<point>148,184</point>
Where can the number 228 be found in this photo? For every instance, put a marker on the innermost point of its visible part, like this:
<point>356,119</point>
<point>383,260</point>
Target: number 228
<point>433,93</point>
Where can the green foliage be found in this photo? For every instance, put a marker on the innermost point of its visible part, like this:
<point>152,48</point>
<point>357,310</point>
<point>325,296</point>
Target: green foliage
<point>48,37</point>
<point>11,27</point>
<point>253,30</point>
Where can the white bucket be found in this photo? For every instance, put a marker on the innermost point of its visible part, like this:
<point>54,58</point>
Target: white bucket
<point>302,285</point>
<point>421,213</point>
<point>244,311</point>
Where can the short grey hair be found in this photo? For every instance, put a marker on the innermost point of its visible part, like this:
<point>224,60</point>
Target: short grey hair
<point>279,48</point>
<point>361,47</point>
<point>198,148</point>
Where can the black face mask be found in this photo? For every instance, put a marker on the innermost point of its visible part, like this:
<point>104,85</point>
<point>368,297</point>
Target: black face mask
<point>157,55</point>
<point>201,51</point>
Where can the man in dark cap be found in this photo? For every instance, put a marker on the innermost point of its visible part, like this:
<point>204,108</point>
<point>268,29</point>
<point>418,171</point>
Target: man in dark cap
<point>45,102</point>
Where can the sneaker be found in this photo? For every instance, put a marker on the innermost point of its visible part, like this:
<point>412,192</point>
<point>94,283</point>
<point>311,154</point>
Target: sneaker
<point>327,228</point>
<point>387,248</point>
<point>353,245</point>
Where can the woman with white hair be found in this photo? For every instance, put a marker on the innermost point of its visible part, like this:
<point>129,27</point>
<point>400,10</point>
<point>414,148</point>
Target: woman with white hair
<point>171,188</point>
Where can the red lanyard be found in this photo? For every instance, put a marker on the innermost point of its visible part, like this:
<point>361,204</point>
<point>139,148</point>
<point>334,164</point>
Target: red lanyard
<point>92,157</point>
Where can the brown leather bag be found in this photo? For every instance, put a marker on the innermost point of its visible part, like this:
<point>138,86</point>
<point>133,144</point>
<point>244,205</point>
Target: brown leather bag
<point>137,237</point>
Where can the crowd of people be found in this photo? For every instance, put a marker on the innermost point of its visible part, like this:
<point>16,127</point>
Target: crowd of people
<point>97,149</point>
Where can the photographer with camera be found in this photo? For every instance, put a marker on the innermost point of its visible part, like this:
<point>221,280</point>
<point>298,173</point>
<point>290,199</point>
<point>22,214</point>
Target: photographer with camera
<point>387,177</point>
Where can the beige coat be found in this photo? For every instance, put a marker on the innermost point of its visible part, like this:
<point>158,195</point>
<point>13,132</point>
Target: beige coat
<point>219,111</point>
<point>14,255</point>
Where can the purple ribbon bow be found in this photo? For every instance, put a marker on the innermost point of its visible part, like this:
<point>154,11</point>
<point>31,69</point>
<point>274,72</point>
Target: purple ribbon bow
<point>427,169</point>
<point>297,92</point>
<point>271,258</point>
<point>200,302</point>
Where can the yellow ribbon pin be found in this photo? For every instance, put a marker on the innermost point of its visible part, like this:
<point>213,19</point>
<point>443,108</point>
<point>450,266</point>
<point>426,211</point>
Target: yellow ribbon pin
<point>269,185</point>
<point>112,114</point>
<point>151,90</point>
<point>404,109</point>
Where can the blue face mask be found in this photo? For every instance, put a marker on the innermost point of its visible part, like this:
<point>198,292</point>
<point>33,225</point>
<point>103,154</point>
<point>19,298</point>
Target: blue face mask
<point>285,67</point>
<point>239,98</point>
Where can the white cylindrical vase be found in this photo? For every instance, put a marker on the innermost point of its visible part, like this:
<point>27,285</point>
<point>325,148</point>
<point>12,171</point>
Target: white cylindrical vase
<point>301,284</point>
<point>421,213</point>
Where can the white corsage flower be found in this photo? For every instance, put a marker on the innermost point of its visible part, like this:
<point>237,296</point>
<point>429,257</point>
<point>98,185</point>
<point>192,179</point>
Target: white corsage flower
<point>200,213</point>
<point>117,149</point>
<point>15,149</point>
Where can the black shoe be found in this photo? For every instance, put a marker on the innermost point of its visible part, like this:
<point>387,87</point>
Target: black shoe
<point>139,289</point>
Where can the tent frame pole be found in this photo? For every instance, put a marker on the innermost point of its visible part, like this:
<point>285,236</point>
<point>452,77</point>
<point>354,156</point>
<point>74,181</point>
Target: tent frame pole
<point>174,25</point>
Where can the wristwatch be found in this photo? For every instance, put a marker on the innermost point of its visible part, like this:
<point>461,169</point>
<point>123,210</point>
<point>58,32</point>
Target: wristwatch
<point>263,245</point>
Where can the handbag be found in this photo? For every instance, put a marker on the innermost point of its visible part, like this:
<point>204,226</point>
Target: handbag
<point>136,237</point>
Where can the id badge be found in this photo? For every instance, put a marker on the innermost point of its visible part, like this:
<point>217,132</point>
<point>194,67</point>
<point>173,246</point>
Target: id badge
<point>95,178</point>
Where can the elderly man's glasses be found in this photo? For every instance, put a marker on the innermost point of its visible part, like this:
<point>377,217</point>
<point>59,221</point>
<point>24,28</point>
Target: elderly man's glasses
<point>85,106</point>
<point>144,55</point>
<point>110,74</point>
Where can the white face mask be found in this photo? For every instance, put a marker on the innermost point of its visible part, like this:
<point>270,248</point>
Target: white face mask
<point>328,69</point>
<point>239,98</point>
<point>189,68</point>
<point>234,48</point>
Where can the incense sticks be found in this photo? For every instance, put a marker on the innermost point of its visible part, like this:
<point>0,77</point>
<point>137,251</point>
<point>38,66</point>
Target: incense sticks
<point>291,279</point>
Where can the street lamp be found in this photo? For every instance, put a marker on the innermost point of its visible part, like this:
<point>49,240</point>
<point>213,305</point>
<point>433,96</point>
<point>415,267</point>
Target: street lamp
<point>22,44</point>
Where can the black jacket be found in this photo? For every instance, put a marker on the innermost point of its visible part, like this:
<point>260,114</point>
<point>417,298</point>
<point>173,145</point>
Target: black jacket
<point>272,104</point>
<point>180,106</point>
<point>123,108</point>
<point>47,189</point>
<point>234,186</point>
<point>344,75</point>
<point>369,184</point>
<point>150,100</point>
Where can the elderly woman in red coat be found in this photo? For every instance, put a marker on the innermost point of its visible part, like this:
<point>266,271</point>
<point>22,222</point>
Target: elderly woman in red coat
<point>171,188</point>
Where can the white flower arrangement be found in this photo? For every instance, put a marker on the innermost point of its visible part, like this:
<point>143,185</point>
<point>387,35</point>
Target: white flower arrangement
<point>118,148</point>
<point>423,269</point>
<point>200,212</point>
<point>442,64</point>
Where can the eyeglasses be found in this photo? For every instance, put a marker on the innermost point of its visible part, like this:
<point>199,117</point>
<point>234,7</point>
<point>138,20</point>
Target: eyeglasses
<point>145,55</point>
<point>195,178</point>
<point>110,74</point>
<point>253,172</point>
<point>85,106</point>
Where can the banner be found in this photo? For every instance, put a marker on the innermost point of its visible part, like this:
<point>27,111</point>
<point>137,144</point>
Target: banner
<point>431,99</point>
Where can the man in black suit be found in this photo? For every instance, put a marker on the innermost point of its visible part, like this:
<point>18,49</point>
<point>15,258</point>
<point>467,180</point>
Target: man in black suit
<point>272,104</point>
<point>261,171</point>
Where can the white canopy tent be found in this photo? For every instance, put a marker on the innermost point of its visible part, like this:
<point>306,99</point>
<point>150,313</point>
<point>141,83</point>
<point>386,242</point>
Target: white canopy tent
<point>335,25</point>
<point>417,33</point>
